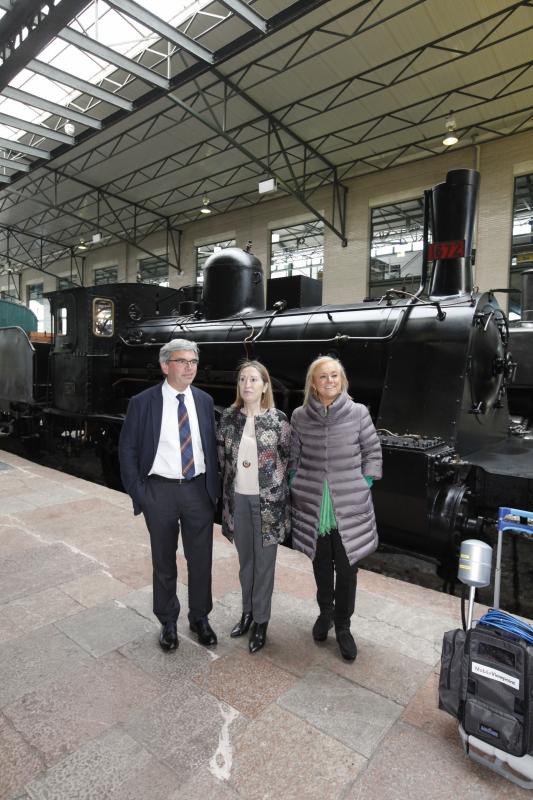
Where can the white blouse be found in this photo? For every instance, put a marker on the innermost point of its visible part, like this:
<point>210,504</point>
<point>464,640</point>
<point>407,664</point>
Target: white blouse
<point>247,478</point>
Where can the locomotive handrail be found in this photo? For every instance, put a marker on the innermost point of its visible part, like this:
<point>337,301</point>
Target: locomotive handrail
<point>441,315</point>
<point>337,338</point>
<point>278,307</point>
<point>325,309</point>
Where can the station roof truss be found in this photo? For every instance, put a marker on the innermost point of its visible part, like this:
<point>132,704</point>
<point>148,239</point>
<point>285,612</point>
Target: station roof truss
<point>120,118</point>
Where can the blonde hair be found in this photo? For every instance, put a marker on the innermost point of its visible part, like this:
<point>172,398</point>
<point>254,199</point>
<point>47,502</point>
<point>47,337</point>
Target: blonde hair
<point>267,398</point>
<point>309,390</point>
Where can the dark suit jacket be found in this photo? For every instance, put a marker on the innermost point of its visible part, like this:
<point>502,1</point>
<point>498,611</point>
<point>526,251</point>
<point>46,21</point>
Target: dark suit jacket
<point>140,436</point>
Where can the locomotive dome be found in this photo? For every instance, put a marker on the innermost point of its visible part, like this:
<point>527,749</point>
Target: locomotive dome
<point>233,284</point>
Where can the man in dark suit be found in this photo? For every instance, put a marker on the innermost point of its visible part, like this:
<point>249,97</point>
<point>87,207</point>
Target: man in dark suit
<point>168,465</point>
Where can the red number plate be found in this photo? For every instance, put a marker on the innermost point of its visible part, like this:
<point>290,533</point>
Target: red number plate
<point>446,249</point>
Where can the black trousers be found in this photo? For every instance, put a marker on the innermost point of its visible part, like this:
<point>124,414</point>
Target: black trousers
<point>169,506</point>
<point>336,580</point>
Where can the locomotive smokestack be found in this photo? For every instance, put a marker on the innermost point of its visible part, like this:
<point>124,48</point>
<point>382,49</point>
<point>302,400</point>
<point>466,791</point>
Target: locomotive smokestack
<point>453,206</point>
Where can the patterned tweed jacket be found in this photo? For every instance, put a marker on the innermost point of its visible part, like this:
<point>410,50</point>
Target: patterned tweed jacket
<point>272,433</point>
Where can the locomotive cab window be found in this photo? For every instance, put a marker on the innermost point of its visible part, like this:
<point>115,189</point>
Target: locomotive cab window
<point>103,316</point>
<point>62,321</point>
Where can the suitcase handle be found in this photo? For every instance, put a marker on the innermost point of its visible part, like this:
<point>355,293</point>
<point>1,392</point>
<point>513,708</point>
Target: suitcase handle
<point>509,521</point>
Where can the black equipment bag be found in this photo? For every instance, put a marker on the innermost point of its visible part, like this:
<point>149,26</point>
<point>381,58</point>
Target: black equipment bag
<point>485,681</point>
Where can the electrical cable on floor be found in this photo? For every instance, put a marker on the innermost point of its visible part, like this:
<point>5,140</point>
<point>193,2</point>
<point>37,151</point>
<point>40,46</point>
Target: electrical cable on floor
<point>507,623</point>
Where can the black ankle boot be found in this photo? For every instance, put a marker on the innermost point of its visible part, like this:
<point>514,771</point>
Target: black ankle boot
<point>347,644</point>
<point>242,626</point>
<point>258,636</point>
<point>323,624</point>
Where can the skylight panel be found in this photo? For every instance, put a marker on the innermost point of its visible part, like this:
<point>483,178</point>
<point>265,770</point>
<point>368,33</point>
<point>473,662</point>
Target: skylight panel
<point>107,26</point>
<point>16,109</point>
<point>40,86</point>
<point>83,65</point>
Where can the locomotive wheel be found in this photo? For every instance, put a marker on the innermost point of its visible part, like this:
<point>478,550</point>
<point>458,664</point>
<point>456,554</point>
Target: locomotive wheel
<point>450,509</point>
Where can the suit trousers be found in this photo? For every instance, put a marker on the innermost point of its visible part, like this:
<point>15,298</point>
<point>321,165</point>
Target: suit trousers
<point>257,563</point>
<point>336,579</point>
<point>168,506</point>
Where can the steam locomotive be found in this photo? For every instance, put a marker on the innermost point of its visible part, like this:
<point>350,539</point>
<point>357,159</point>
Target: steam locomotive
<point>434,369</point>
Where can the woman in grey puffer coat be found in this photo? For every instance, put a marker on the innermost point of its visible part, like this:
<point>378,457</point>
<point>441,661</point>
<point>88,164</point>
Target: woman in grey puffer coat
<point>335,456</point>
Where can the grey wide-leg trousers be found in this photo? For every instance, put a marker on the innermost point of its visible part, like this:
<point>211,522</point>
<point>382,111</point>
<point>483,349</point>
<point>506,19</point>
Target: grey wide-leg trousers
<point>257,563</point>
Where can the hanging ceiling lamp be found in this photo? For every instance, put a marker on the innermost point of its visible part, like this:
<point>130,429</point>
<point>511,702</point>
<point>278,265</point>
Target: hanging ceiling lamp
<point>451,137</point>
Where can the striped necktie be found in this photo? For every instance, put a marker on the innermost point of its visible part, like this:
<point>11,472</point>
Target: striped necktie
<point>187,457</point>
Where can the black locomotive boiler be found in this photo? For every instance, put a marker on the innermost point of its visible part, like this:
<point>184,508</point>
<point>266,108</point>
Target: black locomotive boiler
<point>434,368</point>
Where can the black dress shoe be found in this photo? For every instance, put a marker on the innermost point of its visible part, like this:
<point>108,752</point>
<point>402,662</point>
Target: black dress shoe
<point>347,644</point>
<point>168,638</point>
<point>206,634</point>
<point>323,624</point>
<point>258,636</point>
<point>242,626</point>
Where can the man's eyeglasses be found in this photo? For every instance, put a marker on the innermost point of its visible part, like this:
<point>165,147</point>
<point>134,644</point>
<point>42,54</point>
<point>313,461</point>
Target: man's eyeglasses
<point>192,362</point>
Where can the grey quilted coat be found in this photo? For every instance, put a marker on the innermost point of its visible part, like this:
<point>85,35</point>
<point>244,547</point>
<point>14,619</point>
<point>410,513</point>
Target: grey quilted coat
<point>272,433</point>
<point>339,443</point>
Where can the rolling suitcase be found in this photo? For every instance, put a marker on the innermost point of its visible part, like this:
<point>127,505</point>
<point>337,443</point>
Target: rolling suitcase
<point>486,679</point>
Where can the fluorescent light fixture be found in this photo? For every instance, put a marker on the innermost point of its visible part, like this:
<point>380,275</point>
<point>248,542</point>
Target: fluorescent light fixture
<point>96,237</point>
<point>269,185</point>
<point>451,137</point>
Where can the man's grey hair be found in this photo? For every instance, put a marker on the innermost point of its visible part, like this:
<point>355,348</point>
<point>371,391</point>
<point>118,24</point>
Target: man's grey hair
<point>177,344</point>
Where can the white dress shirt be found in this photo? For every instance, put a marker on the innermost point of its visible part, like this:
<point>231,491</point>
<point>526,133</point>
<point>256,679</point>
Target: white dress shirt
<point>167,460</point>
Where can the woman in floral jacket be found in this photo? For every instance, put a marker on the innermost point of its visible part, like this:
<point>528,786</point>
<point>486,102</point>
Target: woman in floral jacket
<point>253,441</point>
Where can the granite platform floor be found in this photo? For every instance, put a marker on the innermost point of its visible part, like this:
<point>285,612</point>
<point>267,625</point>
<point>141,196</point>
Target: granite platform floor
<point>90,707</point>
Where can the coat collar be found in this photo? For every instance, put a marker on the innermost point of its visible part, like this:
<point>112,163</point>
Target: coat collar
<point>330,413</point>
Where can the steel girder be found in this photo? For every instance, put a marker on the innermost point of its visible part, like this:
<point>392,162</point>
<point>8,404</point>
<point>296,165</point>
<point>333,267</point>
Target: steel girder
<point>94,210</point>
<point>28,27</point>
<point>251,132</point>
<point>117,208</point>
<point>292,174</point>
<point>332,98</point>
<point>398,70</point>
<point>26,250</point>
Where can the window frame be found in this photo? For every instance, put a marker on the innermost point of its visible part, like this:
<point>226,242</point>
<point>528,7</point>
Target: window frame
<point>404,220</point>
<point>102,333</point>
<point>311,228</point>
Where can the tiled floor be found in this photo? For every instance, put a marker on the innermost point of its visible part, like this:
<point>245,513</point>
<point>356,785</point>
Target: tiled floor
<point>90,707</point>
